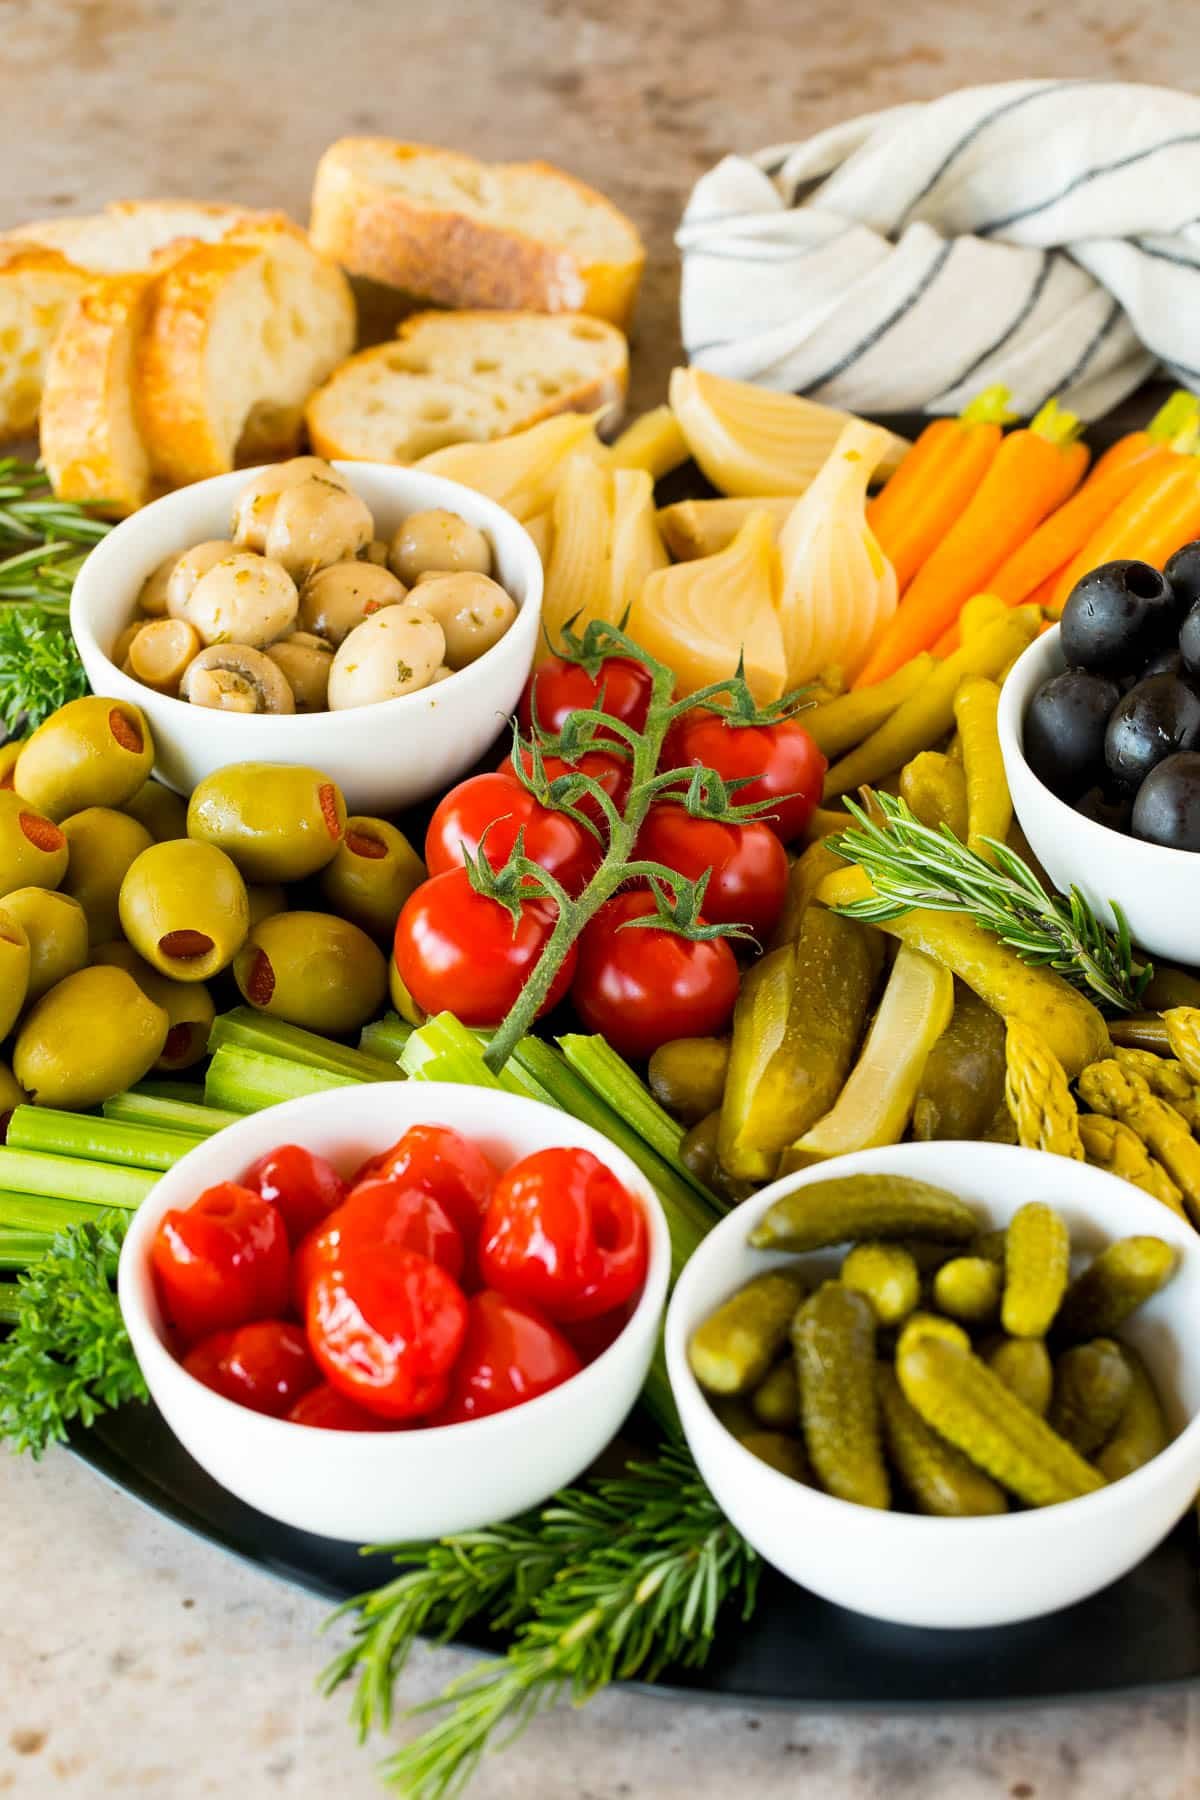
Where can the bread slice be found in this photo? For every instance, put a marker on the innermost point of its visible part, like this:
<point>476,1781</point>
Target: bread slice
<point>463,233</point>
<point>130,234</point>
<point>451,378</point>
<point>90,437</point>
<point>37,289</point>
<point>238,335</point>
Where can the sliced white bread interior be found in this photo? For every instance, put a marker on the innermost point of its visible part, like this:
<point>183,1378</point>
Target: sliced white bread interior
<point>91,440</point>
<point>129,234</point>
<point>463,233</point>
<point>459,377</point>
<point>38,288</point>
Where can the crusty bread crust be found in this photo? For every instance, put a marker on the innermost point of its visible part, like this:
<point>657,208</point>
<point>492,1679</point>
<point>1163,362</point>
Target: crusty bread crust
<point>90,435</point>
<point>37,289</point>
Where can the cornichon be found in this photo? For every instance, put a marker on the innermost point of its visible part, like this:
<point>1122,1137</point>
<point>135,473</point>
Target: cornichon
<point>1092,1384</point>
<point>1119,1280</point>
<point>968,1289</point>
<point>778,1451</point>
<point>1108,1144</point>
<point>1121,1093</point>
<point>962,1083</point>
<point>1037,1266</point>
<point>1024,1366</point>
<point>927,1324</point>
<point>934,789</point>
<point>887,1276</point>
<point>993,1245</point>
<point>1141,1431</point>
<point>833,1337</point>
<point>736,1345</point>
<point>687,1076</point>
<point>940,1479</point>
<point>1039,1095</point>
<point>847,1208</point>
<point>966,1403</point>
<point>775,1402</point>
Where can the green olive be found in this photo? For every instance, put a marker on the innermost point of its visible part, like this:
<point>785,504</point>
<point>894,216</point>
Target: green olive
<point>33,851</point>
<point>9,753</point>
<point>90,1037</point>
<point>91,752</point>
<point>57,928</point>
<point>372,875</point>
<point>14,970</point>
<point>103,843</point>
<point>402,1001</point>
<point>312,969</point>
<point>187,1004</point>
<point>160,810</point>
<point>12,1095</point>
<point>183,907</point>
<point>266,898</point>
<point>279,822</point>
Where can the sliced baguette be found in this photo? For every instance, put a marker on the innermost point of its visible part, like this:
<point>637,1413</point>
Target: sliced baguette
<point>91,440</point>
<point>38,287</point>
<point>451,378</point>
<point>463,233</point>
<point>129,234</point>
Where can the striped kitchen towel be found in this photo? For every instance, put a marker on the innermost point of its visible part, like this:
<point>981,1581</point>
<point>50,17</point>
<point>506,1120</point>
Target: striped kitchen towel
<point>1043,234</point>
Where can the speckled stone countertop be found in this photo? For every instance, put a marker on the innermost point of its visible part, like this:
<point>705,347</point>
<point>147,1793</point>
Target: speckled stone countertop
<point>135,1660</point>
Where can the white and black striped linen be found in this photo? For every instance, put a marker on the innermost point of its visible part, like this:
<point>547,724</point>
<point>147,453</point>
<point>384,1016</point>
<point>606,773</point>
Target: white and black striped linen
<point>1043,234</point>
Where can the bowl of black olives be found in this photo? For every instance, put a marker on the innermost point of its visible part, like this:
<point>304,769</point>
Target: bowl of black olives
<point>1100,731</point>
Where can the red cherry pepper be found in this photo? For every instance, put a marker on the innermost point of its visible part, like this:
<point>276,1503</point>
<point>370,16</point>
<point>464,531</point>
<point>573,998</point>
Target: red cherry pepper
<point>385,1327</point>
<point>220,1263</point>
<point>562,1234</point>
<point>324,1407</point>
<point>304,1187</point>
<point>510,1354</point>
<point>266,1366</point>
<point>441,1162</point>
<point>381,1211</point>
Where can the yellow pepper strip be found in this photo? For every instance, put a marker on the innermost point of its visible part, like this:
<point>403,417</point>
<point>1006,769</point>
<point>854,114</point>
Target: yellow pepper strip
<point>980,611</point>
<point>840,724</point>
<point>934,787</point>
<point>989,804</point>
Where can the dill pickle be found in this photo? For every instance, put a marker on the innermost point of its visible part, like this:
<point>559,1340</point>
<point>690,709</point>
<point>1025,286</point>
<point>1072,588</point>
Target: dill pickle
<point>968,1289</point>
<point>698,1152</point>
<point>1113,1285</point>
<point>1037,1265</point>
<point>1024,1366</point>
<point>939,1478</point>
<point>1092,1385</point>
<point>887,1276</point>
<point>963,1082</point>
<point>993,1245</point>
<point>1141,1431</point>
<point>736,1345</point>
<point>687,1076</point>
<point>927,1324</point>
<point>733,1414</point>
<point>967,1403</point>
<point>833,1336</point>
<point>805,876</point>
<point>848,1208</point>
<point>928,1254</point>
<point>775,1402</point>
<point>778,1451</point>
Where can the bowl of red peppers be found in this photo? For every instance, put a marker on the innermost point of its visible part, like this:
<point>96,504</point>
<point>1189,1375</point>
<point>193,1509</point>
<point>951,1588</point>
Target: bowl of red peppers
<point>397,1311</point>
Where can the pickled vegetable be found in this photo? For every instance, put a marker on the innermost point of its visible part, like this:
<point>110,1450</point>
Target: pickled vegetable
<point>1092,1385</point>
<point>687,1076</point>
<point>1183,1033</point>
<point>735,1346</point>
<point>1168,1079</point>
<point>1039,1095</point>
<point>1141,1431</point>
<point>940,1479</point>
<point>1037,1264</point>
<point>1024,1366</point>
<point>1108,1144</point>
<point>1115,1283</point>
<point>968,1289</point>
<point>935,789</point>
<point>1121,1093</point>
<point>989,803</point>
<point>887,1276</point>
<point>833,1336</point>
<point>804,878</point>
<point>775,1402</point>
<point>786,1454</point>
<point>847,1208</point>
<point>693,528</point>
<point>927,1324</point>
<point>838,725</point>
<point>993,1245</point>
<point>963,1080</point>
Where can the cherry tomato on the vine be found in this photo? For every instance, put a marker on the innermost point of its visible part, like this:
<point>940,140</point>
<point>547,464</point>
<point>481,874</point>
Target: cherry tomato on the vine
<point>510,1354</point>
<point>562,1233</point>
<point>783,761</point>
<point>221,1262</point>
<point>304,1187</point>
<point>611,772</point>
<point>266,1366</point>
<point>746,864</point>
<point>498,805</point>
<point>385,1326</point>
<point>644,985</point>
<point>458,951</point>
<point>621,687</point>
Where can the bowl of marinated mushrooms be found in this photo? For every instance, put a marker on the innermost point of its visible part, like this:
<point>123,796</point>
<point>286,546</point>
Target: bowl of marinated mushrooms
<point>370,621</point>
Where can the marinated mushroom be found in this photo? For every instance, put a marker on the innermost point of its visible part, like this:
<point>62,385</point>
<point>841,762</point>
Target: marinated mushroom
<point>316,523</point>
<point>152,595</point>
<point>254,508</point>
<point>473,611</point>
<point>236,678</point>
<point>243,599</point>
<point>306,661</point>
<point>376,552</point>
<point>438,540</point>
<point>160,652</point>
<point>120,650</point>
<point>187,569</point>
<point>394,652</point>
<point>336,599</point>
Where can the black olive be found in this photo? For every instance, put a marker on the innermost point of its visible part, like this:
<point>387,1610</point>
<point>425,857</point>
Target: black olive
<point>1167,808</point>
<point>1183,573</point>
<point>1105,807</point>
<point>1117,618</point>
<point>1064,730</point>
<point>1189,641</point>
<point>1157,717</point>
<point>1167,662</point>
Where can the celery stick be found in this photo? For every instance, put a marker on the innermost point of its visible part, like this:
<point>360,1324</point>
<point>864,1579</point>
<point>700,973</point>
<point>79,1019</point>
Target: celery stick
<point>188,1092</point>
<point>20,1248</point>
<point>607,1072</point>
<point>26,1212</point>
<point>459,1055</point>
<point>103,1140</point>
<point>188,1116</point>
<point>244,1081</point>
<point>385,1037</point>
<point>71,1178</point>
<point>10,1312</point>
<point>245,1029</point>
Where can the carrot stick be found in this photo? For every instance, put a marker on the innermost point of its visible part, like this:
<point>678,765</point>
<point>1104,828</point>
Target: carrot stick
<point>1033,472</point>
<point>1064,533</point>
<point>935,481</point>
<point>1156,518</point>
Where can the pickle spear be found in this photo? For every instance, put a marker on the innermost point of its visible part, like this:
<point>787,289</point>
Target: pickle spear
<point>848,1208</point>
<point>963,1080</point>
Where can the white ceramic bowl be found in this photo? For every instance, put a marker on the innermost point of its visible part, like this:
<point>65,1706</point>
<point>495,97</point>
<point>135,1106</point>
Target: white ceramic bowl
<point>914,1570</point>
<point>1157,889</point>
<point>383,757</point>
<point>372,1486</point>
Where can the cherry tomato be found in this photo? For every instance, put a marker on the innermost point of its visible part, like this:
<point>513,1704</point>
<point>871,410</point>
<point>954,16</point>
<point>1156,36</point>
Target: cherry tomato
<point>378,1212</point>
<point>266,1366</point>
<point>457,951</point>
<point>444,1163</point>
<point>220,1263</point>
<point>621,687</point>
<point>510,1354</point>
<point>783,760</point>
<point>325,1408</point>
<point>385,1327</point>
<point>612,773</point>
<point>552,840</point>
<point>561,1233</point>
<point>643,986</point>
<point>304,1187</point>
<point>746,863</point>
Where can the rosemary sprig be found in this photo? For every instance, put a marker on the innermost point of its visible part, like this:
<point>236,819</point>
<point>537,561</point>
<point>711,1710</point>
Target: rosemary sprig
<point>43,544</point>
<point>912,865</point>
